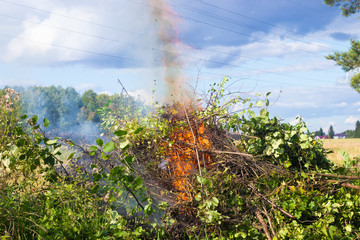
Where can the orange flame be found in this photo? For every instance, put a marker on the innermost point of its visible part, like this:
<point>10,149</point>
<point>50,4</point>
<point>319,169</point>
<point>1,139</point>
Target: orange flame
<point>187,154</point>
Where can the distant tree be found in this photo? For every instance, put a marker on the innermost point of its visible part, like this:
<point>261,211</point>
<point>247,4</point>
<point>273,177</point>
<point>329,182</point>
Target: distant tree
<point>348,7</point>
<point>349,60</point>
<point>61,106</point>
<point>320,132</point>
<point>90,104</point>
<point>357,130</point>
<point>331,132</point>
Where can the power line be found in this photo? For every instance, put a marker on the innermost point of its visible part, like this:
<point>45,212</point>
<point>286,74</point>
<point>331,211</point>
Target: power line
<point>239,23</point>
<point>70,17</point>
<point>100,37</point>
<point>135,60</point>
<point>216,26</point>
<point>109,55</point>
<point>114,40</point>
<point>68,48</point>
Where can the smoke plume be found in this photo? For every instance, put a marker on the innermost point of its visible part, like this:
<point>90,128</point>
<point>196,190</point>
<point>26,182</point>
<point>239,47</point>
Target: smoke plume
<point>166,23</point>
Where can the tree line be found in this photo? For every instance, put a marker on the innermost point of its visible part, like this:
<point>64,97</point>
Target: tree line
<point>349,133</point>
<point>65,107</point>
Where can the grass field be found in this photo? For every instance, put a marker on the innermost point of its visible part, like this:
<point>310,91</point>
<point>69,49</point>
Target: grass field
<point>349,145</point>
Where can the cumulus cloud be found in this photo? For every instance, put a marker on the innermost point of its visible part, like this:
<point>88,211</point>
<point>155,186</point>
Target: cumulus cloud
<point>351,120</point>
<point>313,102</point>
<point>81,31</point>
<point>86,86</point>
<point>342,104</point>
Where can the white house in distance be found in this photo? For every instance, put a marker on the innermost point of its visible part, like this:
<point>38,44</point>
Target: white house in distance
<point>340,136</point>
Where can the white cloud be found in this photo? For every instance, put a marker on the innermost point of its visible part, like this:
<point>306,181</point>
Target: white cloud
<point>351,120</point>
<point>110,27</point>
<point>342,104</point>
<point>86,86</point>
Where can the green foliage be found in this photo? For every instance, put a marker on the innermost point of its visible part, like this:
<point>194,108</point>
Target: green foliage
<point>348,7</point>
<point>319,133</point>
<point>331,132</point>
<point>289,145</point>
<point>354,133</point>
<point>66,109</point>
<point>37,202</point>
<point>355,82</point>
<point>349,61</point>
<point>273,181</point>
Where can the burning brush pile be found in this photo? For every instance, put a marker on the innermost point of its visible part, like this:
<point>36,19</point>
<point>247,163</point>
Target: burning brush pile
<point>198,167</point>
<point>253,185</point>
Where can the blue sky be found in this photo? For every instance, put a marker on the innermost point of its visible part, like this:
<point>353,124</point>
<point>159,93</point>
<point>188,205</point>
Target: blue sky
<point>277,46</point>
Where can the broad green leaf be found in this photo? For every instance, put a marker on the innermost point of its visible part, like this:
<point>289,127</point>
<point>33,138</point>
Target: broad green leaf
<point>259,103</point>
<point>46,122</point>
<point>287,164</point>
<point>71,155</point>
<point>120,133</point>
<point>20,142</point>
<point>97,177</point>
<point>109,147</point>
<point>34,119</point>
<point>50,160</point>
<point>263,112</point>
<point>51,142</point>
<point>124,144</point>
<point>93,148</point>
<point>267,102</point>
<point>104,156</point>
<point>138,182</point>
<point>129,159</point>
<point>99,142</point>
<point>137,131</point>
<point>251,114</point>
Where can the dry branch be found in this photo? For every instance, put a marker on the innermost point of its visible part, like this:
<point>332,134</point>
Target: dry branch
<point>333,175</point>
<point>344,184</point>
<point>271,203</point>
<point>263,224</point>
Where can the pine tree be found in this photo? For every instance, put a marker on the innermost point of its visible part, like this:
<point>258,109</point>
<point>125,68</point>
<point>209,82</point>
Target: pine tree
<point>331,132</point>
<point>357,129</point>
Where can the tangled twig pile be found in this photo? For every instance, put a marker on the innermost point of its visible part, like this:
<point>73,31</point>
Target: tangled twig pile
<point>217,184</point>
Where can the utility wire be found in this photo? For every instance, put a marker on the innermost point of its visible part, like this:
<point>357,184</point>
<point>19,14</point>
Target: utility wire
<point>70,17</point>
<point>109,55</point>
<point>135,60</point>
<point>117,29</point>
<point>239,23</point>
<point>149,5</point>
<point>263,22</point>
<point>100,37</point>
<point>154,49</point>
<point>217,26</point>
